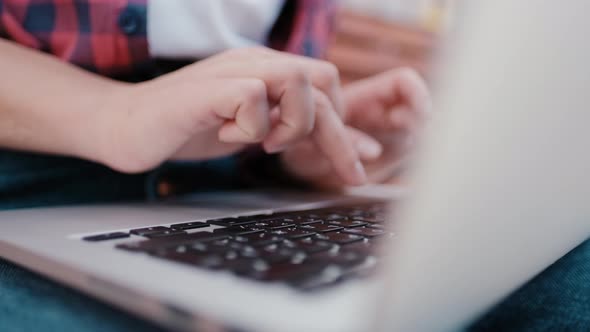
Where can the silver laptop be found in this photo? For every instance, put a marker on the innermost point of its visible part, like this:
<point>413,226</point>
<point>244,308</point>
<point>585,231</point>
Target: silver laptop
<point>500,191</point>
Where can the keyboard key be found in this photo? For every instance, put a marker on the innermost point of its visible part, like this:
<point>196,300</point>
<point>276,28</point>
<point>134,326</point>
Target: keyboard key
<point>365,231</point>
<point>237,230</point>
<point>279,224</point>
<point>241,220</point>
<point>277,253</point>
<point>226,222</point>
<point>189,225</point>
<point>171,241</point>
<point>168,232</point>
<point>105,237</point>
<point>321,228</point>
<point>249,251</point>
<point>256,217</point>
<point>362,247</point>
<point>148,230</point>
<point>259,239</point>
<point>334,217</point>
<point>246,266</point>
<point>311,221</point>
<point>378,226</point>
<point>224,247</point>
<point>370,219</point>
<point>293,233</point>
<point>340,237</point>
<point>130,246</point>
<point>290,272</point>
<point>211,261</point>
<point>348,223</point>
<point>312,245</point>
<point>346,259</point>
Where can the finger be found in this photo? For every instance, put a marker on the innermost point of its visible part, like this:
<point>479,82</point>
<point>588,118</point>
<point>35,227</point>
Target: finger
<point>274,67</point>
<point>289,80</point>
<point>333,141</point>
<point>325,77</point>
<point>402,118</point>
<point>248,120</point>
<point>296,117</point>
<point>393,92</point>
<point>410,87</point>
<point>368,148</point>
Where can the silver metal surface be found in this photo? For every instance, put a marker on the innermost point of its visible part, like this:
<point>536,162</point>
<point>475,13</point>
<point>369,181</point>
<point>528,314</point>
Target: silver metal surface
<point>501,189</point>
<point>48,241</point>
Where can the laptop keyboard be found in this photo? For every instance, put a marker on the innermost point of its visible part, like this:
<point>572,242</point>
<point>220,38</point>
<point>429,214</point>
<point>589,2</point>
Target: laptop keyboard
<point>308,249</point>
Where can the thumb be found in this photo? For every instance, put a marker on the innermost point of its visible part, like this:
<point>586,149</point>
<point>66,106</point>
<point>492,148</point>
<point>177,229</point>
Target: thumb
<point>237,108</point>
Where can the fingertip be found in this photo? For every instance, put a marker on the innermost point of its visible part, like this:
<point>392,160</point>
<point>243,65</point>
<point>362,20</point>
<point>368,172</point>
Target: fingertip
<point>368,148</point>
<point>273,148</point>
<point>359,174</point>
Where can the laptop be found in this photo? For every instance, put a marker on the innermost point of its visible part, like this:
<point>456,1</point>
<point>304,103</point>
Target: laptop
<point>498,191</point>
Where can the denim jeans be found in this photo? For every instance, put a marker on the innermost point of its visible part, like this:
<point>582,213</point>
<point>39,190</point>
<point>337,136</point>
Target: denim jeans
<point>556,300</point>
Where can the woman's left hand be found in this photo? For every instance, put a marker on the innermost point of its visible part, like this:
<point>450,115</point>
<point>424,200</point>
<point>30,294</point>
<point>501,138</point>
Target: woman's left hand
<point>383,114</point>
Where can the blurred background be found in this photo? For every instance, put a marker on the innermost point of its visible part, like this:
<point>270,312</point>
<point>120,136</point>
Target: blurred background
<point>376,35</point>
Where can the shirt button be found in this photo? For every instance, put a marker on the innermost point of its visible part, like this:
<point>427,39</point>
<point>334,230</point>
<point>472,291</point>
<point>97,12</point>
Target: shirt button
<point>130,20</point>
<point>164,189</point>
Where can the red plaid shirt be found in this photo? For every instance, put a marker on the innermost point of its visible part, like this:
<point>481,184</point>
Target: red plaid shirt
<point>110,36</point>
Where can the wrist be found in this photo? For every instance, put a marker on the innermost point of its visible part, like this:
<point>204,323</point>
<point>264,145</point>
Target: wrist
<point>98,128</point>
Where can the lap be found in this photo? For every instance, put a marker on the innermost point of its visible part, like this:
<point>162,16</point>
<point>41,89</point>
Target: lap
<point>556,300</point>
<point>29,302</point>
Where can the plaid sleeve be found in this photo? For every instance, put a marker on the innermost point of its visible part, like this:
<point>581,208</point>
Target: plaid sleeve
<point>103,36</point>
<point>304,27</point>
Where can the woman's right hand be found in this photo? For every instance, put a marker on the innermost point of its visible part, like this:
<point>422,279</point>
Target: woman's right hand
<point>218,106</point>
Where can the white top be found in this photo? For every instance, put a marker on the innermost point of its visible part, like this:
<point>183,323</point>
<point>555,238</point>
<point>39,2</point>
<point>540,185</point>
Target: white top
<point>200,28</point>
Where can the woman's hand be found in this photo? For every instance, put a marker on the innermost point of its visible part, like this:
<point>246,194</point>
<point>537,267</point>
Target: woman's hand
<point>218,106</point>
<point>382,113</point>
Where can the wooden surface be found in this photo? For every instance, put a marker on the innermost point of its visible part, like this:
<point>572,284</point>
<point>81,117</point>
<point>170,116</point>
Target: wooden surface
<point>364,46</point>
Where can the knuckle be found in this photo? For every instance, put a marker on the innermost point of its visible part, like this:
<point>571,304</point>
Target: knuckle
<point>328,76</point>
<point>253,51</point>
<point>256,49</point>
<point>331,71</point>
<point>300,75</point>
<point>254,90</point>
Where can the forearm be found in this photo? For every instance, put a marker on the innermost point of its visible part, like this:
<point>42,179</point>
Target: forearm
<point>49,106</point>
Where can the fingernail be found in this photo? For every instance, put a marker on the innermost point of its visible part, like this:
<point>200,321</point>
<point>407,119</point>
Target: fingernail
<point>360,176</point>
<point>368,149</point>
<point>274,149</point>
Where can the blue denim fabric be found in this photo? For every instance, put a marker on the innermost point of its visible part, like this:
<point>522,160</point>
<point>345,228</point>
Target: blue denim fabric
<point>557,300</point>
<point>29,303</point>
<point>28,180</point>
<point>33,180</point>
